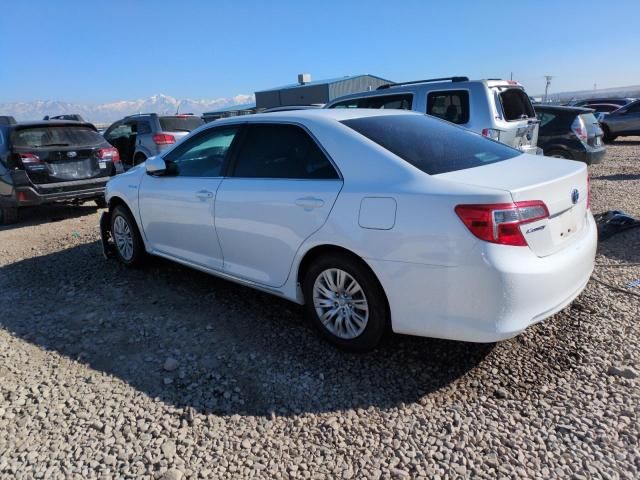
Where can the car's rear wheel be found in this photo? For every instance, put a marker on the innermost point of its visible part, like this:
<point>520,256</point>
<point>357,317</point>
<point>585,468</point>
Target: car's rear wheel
<point>559,154</point>
<point>8,215</point>
<point>345,302</point>
<point>127,239</point>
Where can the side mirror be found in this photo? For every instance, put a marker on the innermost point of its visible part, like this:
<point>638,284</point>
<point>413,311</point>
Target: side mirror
<point>155,165</point>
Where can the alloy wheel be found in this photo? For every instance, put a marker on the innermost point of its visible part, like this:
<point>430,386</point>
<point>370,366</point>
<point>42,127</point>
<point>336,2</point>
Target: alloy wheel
<point>123,237</point>
<point>340,303</point>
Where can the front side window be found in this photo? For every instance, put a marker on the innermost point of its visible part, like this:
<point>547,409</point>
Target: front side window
<point>452,105</point>
<point>202,155</point>
<point>402,102</point>
<point>545,118</point>
<point>430,144</point>
<point>119,131</point>
<point>281,151</point>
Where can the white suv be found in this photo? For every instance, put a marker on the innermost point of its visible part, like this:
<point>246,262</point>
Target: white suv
<point>498,109</point>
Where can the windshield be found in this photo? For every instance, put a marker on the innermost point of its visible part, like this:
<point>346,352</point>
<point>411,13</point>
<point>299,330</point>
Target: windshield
<point>56,136</point>
<point>432,145</point>
<point>185,123</point>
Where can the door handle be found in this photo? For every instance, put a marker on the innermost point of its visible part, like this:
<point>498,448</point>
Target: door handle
<point>204,194</point>
<point>309,202</point>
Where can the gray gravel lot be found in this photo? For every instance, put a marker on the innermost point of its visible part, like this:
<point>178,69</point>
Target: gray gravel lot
<point>169,373</point>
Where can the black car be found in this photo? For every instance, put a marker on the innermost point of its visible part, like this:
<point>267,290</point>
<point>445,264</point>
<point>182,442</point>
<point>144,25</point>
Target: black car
<point>623,122</point>
<point>50,161</point>
<point>570,132</point>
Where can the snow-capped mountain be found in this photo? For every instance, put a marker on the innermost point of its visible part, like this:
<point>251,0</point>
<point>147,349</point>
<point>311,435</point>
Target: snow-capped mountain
<point>109,112</point>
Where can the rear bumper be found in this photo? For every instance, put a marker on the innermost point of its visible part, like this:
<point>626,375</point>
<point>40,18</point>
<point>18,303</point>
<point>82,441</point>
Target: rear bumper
<point>495,292</point>
<point>28,195</point>
<point>593,156</point>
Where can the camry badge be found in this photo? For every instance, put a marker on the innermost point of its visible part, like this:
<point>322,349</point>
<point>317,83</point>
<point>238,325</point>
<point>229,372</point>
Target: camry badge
<point>575,196</point>
<point>72,154</point>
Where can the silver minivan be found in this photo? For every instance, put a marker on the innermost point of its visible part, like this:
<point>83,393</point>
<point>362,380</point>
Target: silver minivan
<point>498,109</point>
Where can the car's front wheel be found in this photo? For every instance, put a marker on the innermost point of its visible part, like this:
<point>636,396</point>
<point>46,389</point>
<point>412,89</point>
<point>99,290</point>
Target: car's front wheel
<point>127,239</point>
<point>345,302</point>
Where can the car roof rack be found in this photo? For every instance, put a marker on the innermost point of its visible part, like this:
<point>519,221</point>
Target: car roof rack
<point>141,114</point>
<point>7,120</point>
<point>429,80</point>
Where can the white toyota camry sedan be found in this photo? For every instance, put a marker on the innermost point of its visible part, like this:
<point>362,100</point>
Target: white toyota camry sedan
<point>370,218</point>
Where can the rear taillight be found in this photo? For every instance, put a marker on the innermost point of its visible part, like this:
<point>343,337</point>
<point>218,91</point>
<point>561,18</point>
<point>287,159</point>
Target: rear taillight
<point>500,222</point>
<point>588,192</point>
<point>29,158</point>
<point>579,128</point>
<point>491,133</point>
<point>109,154</point>
<point>163,139</point>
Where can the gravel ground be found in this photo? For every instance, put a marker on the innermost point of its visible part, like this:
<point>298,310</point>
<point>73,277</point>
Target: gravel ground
<point>169,373</point>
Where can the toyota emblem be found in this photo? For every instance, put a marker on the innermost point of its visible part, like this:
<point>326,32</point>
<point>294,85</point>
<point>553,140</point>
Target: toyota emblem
<point>575,196</point>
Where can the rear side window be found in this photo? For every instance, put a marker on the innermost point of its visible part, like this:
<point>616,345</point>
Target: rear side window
<point>281,151</point>
<point>401,102</point>
<point>516,104</point>
<point>143,127</point>
<point>452,106</point>
<point>429,144</point>
<point>185,123</point>
<point>56,136</point>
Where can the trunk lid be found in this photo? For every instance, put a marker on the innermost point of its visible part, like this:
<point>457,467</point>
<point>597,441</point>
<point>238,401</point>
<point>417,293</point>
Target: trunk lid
<point>561,184</point>
<point>518,124</point>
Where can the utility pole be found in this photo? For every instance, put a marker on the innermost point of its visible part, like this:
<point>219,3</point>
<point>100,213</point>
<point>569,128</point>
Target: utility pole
<point>546,88</point>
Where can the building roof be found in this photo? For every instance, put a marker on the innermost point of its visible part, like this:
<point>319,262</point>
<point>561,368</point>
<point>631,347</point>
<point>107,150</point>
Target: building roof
<point>233,108</point>
<point>322,82</point>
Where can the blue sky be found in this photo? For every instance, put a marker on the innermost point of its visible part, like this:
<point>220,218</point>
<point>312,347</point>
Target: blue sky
<point>97,51</point>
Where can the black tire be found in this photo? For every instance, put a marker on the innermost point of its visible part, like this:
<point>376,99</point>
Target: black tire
<point>137,257</point>
<point>607,137</point>
<point>8,215</point>
<point>559,154</point>
<point>378,316</point>
<point>100,202</point>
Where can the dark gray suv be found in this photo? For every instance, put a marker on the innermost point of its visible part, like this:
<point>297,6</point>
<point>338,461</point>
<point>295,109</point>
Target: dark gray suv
<point>138,137</point>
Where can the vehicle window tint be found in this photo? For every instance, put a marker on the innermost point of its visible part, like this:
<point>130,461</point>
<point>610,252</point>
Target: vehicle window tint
<point>516,104</point>
<point>634,108</point>
<point>545,118</point>
<point>281,151</point>
<point>429,144</point>
<point>143,127</point>
<point>120,131</point>
<point>402,102</point>
<point>58,136</point>
<point>202,155</point>
<point>181,123</point>
<point>452,106</point>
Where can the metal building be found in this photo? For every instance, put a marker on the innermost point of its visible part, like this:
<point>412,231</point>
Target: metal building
<point>306,92</point>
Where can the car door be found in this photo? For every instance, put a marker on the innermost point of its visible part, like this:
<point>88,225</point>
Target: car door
<point>176,208</point>
<point>280,190</point>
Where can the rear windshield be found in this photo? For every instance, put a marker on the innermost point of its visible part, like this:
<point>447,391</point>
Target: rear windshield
<point>429,144</point>
<point>56,136</point>
<point>516,104</point>
<point>180,124</point>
